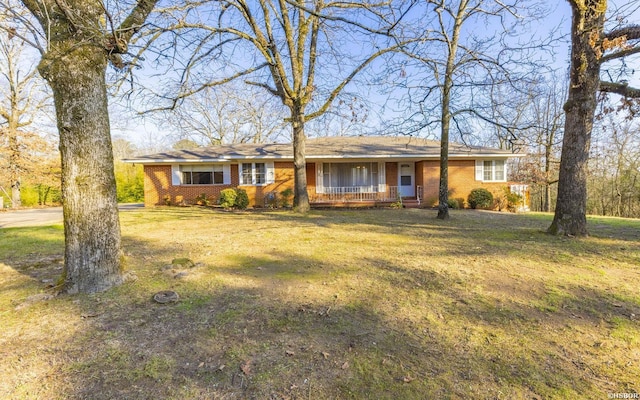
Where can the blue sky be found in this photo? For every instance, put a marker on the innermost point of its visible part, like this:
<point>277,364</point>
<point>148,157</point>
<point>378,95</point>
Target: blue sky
<point>140,130</point>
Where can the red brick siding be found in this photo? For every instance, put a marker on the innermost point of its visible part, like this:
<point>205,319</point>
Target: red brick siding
<point>283,180</point>
<point>462,179</point>
<point>157,182</point>
<point>157,186</point>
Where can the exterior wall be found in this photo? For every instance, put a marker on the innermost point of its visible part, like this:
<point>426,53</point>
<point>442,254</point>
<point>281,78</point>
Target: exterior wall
<point>283,180</point>
<point>391,173</point>
<point>462,180</point>
<point>158,189</point>
<point>311,181</point>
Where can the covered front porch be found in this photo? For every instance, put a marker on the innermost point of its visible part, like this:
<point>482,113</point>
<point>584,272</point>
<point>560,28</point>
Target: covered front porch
<point>363,183</point>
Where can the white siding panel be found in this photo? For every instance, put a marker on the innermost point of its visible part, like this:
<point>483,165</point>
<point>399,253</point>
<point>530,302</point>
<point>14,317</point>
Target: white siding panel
<point>271,172</point>
<point>479,170</point>
<point>226,174</point>
<point>176,176</point>
<point>319,178</point>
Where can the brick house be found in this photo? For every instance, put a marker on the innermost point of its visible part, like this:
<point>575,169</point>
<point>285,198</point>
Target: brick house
<point>340,171</point>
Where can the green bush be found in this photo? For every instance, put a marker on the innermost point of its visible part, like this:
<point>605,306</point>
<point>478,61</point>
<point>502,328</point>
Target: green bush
<point>480,198</point>
<point>286,197</point>
<point>242,200</point>
<point>202,200</point>
<point>234,198</point>
<point>453,204</point>
<point>228,198</point>
<point>129,183</point>
<point>513,200</point>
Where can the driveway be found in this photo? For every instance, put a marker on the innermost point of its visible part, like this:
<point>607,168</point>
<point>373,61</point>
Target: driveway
<point>44,216</point>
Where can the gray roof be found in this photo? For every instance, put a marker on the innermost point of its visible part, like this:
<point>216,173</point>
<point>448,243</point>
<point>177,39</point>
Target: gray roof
<point>338,147</point>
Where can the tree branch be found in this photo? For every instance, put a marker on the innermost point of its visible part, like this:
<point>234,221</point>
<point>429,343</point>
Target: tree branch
<point>348,79</point>
<point>630,32</point>
<point>136,18</point>
<point>622,89</point>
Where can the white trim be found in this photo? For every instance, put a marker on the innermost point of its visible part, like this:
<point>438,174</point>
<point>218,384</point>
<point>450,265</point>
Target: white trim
<point>382,177</point>
<point>479,173</point>
<point>479,170</point>
<point>319,178</point>
<point>176,175</point>
<point>409,190</point>
<point>178,169</point>
<point>226,174</point>
<point>316,158</point>
<point>269,174</point>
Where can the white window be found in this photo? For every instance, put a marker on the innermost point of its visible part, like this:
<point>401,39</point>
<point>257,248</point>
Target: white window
<point>258,174</point>
<point>491,171</point>
<point>216,174</point>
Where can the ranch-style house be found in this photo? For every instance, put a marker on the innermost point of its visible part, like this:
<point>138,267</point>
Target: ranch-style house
<point>341,171</point>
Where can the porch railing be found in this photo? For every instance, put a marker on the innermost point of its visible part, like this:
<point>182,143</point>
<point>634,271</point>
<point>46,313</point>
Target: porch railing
<point>357,194</point>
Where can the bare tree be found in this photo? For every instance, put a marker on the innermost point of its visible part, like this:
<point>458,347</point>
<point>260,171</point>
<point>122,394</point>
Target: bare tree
<point>591,48</point>
<point>542,140</point>
<point>460,67</point>
<point>22,98</point>
<point>77,40</point>
<point>226,114</point>
<point>614,169</point>
<point>294,50</point>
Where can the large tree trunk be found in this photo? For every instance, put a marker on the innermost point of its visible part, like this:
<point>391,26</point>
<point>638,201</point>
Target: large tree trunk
<point>76,73</point>
<point>301,196</point>
<point>571,205</point>
<point>443,188</point>
<point>14,159</point>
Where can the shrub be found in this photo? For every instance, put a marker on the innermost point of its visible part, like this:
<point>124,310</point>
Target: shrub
<point>202,200</point>
<point>242,200</point>
<point>286,197</point>
<point>480,198</point>
<point>513,200</point>
<point>228,198</point>
<point>453,204</point>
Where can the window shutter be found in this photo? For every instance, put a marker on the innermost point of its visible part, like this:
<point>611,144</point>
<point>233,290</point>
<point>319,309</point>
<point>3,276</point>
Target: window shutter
<point>271,172</point>
<point>319,178</point>
<point>226,174</point>
<point>479,170</point>
<point>505,171</point>
<point>176,176</point>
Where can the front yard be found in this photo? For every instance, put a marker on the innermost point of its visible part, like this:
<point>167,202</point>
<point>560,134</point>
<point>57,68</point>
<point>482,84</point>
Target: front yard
<point>366,304</point>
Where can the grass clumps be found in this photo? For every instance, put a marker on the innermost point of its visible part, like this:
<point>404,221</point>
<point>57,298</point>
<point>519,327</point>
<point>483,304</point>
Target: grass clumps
<point>334,304</point>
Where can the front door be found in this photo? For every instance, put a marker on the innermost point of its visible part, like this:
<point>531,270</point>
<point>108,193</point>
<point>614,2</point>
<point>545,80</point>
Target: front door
<point>407,179</point>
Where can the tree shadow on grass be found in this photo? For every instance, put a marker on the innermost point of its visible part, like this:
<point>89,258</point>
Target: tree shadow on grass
<point>279,326</point>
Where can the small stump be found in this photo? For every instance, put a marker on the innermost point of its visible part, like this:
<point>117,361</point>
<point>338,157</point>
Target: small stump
<point>166,296</point>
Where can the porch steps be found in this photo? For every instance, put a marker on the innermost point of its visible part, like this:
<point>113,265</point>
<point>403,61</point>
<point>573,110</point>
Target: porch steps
<point>408,203</point>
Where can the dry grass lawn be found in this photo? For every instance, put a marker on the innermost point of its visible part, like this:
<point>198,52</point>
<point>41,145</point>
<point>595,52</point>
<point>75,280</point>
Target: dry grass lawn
<point>367,304</point>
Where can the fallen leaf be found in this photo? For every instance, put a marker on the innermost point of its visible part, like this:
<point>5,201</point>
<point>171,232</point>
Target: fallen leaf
<point>345,365</point>
<point>408,379</point>
<point>221,367</point>
<point>246,367</point>
<point>201,365</point>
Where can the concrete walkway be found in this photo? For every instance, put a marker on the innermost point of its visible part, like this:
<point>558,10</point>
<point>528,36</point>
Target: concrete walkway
<point>44,216</point>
